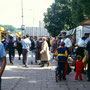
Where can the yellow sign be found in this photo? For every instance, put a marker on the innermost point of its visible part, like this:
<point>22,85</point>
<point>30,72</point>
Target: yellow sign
<point>1,29</point>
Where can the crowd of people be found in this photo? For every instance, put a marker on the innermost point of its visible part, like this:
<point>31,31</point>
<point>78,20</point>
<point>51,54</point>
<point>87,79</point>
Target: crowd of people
<point>40,50</point>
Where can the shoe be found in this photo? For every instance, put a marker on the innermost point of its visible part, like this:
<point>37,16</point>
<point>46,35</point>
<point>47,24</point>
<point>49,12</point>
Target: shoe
<point>64,78</point>
<point>35,61</point>
<point>88,80</point>
<point>31,62</point>
<point>26,66</point>
<point>19,58</point>
<point>48,64</point>
<point>39,63</point>
<point>42,66</point>
<point>59,78</point>
<point>12,62</point>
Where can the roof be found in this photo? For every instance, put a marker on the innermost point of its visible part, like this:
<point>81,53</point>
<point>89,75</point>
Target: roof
<point>84,23</point>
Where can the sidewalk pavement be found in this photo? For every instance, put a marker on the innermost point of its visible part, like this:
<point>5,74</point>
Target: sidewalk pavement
<point>18,77</point>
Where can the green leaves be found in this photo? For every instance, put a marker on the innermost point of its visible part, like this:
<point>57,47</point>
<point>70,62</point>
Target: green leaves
<point>80,10</point>
<point>58,17</point>
<point>10,28</point>
<point>66,14</point>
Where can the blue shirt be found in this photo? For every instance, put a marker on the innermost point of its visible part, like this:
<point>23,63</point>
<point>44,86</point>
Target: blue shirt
<point>2,52</point>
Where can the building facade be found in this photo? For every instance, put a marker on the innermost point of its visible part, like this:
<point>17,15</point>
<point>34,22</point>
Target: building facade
<point>37,31</point>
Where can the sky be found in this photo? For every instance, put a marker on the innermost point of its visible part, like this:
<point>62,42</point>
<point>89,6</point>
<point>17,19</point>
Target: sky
<point>10,12</point>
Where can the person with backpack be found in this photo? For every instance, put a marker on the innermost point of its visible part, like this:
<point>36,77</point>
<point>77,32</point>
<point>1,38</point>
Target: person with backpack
<point>11,48</point>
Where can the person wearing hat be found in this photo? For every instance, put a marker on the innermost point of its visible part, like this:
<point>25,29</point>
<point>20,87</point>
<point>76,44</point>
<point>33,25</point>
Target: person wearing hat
<point>45,55</point>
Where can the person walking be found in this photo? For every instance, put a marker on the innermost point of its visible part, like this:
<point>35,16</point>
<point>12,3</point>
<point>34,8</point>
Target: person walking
<point>26,43</point>
<point>2,60</point>
<point>11,48</point>
<point>54,47</point>
<point>32,50</point>
<point>38,49</point>
<point>19,47</point>
<point>45,55</point>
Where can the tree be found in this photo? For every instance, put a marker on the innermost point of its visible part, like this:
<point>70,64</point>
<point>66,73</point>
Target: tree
<point>9,28</point>
<point>85,4</point>
<point>80,11</point>
<point>58,17</point>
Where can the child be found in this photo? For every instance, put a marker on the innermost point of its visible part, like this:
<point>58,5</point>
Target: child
<point>79,66</point>
<point>62,54</point>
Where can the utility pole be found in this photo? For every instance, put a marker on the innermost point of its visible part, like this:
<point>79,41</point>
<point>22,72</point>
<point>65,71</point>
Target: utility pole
<point>22,26</point>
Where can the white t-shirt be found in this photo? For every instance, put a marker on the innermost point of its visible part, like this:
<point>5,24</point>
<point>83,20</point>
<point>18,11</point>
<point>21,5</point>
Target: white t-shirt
<point>26,43</point>
<point>83,43</point>
<point>67,42</point>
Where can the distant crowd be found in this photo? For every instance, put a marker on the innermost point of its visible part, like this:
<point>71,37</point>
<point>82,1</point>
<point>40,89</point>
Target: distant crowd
<point>41,50</point>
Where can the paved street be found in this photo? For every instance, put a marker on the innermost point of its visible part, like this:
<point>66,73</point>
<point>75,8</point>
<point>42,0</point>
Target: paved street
<point>17,77</point>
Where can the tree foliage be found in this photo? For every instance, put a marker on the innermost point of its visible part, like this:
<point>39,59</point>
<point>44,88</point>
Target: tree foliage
<point>80,11</point>
<point>85,4</point>
<point>65,15</point>
<point>10,28</point>
<point>58,17</point>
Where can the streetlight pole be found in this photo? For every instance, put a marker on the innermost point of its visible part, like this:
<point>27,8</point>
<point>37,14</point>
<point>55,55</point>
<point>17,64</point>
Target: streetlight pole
<point>22,10</point>
<point>22,26</point>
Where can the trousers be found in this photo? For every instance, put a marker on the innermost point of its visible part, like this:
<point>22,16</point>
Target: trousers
<point>25,54</point>
<point>61,69</point>
<point>78,73</point>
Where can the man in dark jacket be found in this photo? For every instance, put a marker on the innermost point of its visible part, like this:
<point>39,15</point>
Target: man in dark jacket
<point>88,48</point>
<point>32,49</point>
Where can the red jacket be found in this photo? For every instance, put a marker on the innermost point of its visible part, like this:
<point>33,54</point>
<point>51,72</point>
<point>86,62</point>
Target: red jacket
<point>79,66</point>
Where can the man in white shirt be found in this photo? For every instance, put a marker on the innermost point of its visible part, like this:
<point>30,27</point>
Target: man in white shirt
<point>26,43</point>
<point>82,44</point>
<point>83,41</point>
<point>67,41</point>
